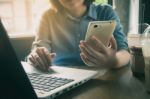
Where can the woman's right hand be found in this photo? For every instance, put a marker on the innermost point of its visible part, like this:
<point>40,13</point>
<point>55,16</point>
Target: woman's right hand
<point>41,58</point>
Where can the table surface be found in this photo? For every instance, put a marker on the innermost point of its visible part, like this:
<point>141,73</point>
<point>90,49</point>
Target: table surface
<point>114,84</point>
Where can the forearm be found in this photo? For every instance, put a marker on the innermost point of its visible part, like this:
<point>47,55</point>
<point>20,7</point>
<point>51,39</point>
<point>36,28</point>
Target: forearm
<point>123,58</point>
<point>43,33</point>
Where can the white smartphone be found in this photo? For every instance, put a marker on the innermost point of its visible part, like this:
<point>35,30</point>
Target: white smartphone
<point>103,30</point>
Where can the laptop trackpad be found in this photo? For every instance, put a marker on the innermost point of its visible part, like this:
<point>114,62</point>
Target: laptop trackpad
<point>30,69</point>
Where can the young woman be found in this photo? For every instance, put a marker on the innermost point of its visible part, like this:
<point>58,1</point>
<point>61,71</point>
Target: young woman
<point>62,31</point>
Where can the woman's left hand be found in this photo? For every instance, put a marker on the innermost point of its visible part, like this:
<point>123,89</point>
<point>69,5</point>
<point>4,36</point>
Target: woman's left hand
<point>97,54</point>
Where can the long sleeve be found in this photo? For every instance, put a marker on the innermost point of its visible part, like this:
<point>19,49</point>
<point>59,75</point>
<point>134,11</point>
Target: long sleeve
<point>42,38</point>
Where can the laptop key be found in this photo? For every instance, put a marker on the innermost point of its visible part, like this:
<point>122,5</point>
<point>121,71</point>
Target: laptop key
<point>47,84</point>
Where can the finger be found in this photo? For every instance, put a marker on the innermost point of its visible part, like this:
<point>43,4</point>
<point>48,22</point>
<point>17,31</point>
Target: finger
<point>41,58</point>
<point>41,64</point>
<point>31,60</point>
<point>91,51</point>
<point>88,53</point>
<point>97,60</point>
<point>52,55</point>
<point>94,61</point>
<point>46,58</point>
<point>83,51</point>
<point>34,59</point>
<point>96,57</point>
<point>86,61</point>
<point>113,43</point>
<point>38,62</point>
<point>86,48</point>
<point>91,63</point>
<point>48,55</point>
<point>99,44</point>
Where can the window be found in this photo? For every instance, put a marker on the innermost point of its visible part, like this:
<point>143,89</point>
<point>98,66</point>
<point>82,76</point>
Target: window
<point>19,16</point>
<point>134,16</point>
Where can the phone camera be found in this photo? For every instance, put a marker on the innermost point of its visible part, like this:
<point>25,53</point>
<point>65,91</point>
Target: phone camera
<point>95,26</point>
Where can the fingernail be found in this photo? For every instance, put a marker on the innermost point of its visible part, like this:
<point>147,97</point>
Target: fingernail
<point>81,41</point>
<point>93,37</point>
<point>54,54</point>
<point>83,55</point>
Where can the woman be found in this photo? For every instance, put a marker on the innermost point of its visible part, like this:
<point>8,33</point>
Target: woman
<point>62,30</point>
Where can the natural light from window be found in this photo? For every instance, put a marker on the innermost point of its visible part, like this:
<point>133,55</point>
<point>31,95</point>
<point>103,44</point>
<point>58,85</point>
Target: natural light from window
<point>20,17</point>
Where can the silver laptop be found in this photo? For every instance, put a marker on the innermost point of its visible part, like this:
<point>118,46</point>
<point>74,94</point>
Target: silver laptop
<point>58,81</point>
<point>23,81</point>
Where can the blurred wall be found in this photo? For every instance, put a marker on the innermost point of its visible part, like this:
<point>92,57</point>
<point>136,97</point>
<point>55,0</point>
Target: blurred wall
<point>122,8</point>
<point>147,11</point>
<point>22,46</point>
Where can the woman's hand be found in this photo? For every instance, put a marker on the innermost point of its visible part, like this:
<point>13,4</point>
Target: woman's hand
<point>96,54</point>
<point>41,58</point>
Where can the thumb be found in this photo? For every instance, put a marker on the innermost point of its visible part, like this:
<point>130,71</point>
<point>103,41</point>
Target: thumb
<point>52,55</point>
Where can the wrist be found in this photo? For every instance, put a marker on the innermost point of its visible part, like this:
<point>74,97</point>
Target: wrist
<point>115,61</point>
<point>112,61</point>
<point>122,59</point>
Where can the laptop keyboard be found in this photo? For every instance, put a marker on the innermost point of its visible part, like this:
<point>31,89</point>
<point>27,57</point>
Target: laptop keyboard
<point>47,84</point>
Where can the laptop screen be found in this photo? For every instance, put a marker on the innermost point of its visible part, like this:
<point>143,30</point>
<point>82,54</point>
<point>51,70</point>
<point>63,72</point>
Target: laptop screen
<point>14,83</point>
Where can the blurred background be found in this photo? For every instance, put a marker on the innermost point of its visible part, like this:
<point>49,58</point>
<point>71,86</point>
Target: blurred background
<point>20,18</point>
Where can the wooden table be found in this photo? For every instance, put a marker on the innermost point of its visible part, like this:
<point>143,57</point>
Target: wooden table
<point>115,84</point>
